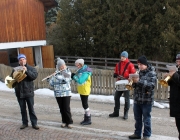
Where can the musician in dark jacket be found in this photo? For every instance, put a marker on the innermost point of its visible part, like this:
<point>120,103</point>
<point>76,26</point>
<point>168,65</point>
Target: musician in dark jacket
<point>25,92</point>
<point>174,100</point>
<point>143,98</point>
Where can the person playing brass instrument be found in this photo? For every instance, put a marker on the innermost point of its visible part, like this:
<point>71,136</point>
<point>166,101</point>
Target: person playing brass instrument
<point>24,90</point>
<point>60,81</point>
<point>122,71</point>
<point>143,98</point>
<point>174,99</point>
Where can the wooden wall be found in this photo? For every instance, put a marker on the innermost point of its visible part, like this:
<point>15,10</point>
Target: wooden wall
<point>4,57</point>
<point>48,56</point>
<point>29,55</point>
<point>21,20</point>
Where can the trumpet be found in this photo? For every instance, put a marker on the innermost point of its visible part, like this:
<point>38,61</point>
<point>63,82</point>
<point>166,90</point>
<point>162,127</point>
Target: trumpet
<point>56,72</point>
<point>164,82</point>
<point>129,85</point>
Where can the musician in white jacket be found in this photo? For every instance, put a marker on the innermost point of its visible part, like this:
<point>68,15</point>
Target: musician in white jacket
<point>60,81</point>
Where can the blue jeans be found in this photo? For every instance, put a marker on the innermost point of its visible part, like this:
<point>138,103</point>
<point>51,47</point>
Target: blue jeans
<point>30,103</point>
<point>142,114</point>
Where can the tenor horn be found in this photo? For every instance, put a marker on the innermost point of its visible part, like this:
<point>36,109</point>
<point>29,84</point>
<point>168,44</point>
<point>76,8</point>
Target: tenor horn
<point>164,82</point>
<point>10,82</point>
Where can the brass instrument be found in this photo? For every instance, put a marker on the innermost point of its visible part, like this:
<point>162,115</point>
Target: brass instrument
<point>10,82</point>
<point>164,82</point>
<point>129,85</point>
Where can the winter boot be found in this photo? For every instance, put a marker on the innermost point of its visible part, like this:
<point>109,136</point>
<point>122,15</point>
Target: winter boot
<point>87,120</point>
<point>84,119</point>
<point>115,113</point>
<point>125,114</point>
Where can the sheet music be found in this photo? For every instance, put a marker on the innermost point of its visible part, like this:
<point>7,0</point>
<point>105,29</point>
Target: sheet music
<point>171,67</point>
<point>133,76</point>
<point>19,68</point>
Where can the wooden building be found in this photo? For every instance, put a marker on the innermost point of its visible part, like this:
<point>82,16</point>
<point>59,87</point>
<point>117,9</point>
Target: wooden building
<point>23,30</point>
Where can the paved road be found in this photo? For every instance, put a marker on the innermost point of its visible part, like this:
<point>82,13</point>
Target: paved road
<point>102,127</point>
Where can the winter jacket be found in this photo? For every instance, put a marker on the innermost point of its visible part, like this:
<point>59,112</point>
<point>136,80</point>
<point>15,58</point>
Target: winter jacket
<point>83,80</point>
<point>144,88</point>
<point>25,88</point>
<point>61,83</point>
<point>120,68</point>
<point>174,100</point>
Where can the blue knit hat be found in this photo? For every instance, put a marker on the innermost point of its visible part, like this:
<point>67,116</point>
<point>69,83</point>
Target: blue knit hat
<point>124,54</point>
<point>21,56</point>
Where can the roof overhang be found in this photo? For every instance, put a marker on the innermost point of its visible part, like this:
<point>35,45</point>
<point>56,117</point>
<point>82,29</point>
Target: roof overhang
<point>48,4</point>
<point>23,44</point>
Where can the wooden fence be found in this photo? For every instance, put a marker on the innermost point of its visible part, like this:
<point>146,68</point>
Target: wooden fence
<point>103,82</point>
<point>109,63</point>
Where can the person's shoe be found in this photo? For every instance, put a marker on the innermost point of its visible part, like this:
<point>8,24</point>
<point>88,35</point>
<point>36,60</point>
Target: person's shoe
<point>87,120</point>
<point>23,126</point>
<point>134,136</point>
<point>146,138</point>
<point>125,117</point>
<point>114,114</point>
<point>84,119</point>
<point>69,126</point>
<point>63,125</point>
<point>35,127</point>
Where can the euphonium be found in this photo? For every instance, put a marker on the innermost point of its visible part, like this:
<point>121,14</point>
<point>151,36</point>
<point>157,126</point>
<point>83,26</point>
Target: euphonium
<point>164,82</point>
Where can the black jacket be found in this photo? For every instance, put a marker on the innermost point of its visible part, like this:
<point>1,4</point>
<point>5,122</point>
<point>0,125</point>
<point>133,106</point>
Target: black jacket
<point>174,100</point>
<point>25,88</point>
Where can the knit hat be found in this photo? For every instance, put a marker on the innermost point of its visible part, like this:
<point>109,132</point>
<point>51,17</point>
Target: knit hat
<point>124,54</point>
<point>143,60</point>
<point>21,56</point>
<point>178,56</point>
<point>80,61</point>
<point>60,62</point>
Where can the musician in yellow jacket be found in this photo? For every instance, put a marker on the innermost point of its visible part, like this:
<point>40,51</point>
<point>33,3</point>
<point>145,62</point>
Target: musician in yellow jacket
<point>83,79</point>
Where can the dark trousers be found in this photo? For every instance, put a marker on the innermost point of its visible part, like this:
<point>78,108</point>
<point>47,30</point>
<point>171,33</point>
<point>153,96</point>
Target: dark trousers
<point>117,96</point>
<point>178,125</point>
<point>64,106</point>
<point>84,100</point>
<point>30,103</point>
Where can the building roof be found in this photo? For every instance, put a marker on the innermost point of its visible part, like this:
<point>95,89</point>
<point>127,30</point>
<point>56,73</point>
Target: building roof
<point>49,4</point>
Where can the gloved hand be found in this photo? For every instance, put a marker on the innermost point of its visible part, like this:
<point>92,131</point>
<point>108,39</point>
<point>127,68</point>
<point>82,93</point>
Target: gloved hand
<point>72,75</point>
<point>48,80</point>
<point>115,75</point>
